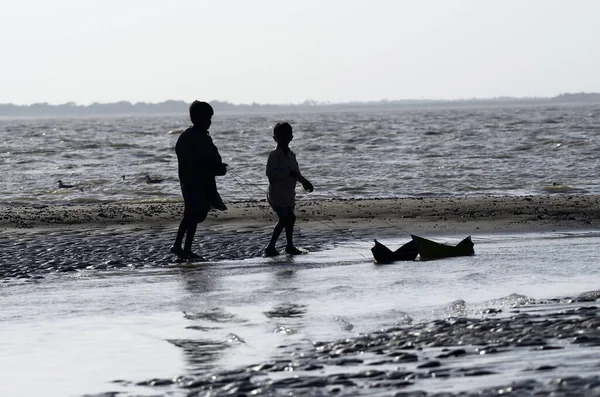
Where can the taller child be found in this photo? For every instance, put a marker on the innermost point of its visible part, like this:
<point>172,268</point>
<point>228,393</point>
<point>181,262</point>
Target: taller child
<point>283,174</point>
<point>199,162</point>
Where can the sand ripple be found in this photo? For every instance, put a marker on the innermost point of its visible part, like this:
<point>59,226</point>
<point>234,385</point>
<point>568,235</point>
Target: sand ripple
<point>424,359</point>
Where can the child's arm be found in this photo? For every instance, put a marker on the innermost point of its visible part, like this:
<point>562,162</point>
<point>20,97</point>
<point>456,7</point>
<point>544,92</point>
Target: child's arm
<point>305,182</point>
<point>295,172</point>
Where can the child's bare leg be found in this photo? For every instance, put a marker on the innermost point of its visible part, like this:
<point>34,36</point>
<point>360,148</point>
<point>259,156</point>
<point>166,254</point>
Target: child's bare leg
<point>189,237</point>
<point>193,213</point>
<point>176,248</point>
<point>185,225</point>
<point>289,235</point>
<point>289,230</point>
<point>271,250</point>
<point>276,233</point>
<point>198,216</point>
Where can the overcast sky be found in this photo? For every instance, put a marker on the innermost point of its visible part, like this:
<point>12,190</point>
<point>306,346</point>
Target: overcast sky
<point>282,51</point>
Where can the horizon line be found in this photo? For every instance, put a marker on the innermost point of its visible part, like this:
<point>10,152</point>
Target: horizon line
<point>307,102</point>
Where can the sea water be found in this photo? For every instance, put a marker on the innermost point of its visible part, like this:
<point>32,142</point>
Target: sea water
<point>80,332</point>
<point>364,153</point>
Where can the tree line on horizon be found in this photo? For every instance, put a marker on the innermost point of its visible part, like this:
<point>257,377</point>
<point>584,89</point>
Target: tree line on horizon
<point>179,107</point>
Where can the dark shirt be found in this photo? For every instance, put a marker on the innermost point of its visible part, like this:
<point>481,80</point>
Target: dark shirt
<point>197,156</point>
<point>199,162</point>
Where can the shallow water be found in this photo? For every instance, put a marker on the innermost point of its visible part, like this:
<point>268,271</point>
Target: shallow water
<point>75,334</point>
<point>350,154</point>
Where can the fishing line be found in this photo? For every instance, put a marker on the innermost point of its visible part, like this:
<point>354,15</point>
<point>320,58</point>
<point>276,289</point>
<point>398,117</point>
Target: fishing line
<point>252,199</point>
<point>264,191</point>
<point>337,228</point>
<point>333,196</point>
<point>256,185</point>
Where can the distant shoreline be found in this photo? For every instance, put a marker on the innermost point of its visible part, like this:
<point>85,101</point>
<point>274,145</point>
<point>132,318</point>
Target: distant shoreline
<point>124,108</point>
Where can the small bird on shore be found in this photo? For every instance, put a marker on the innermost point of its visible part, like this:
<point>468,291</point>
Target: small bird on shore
<point>152,180</point>
<point>61,185</point>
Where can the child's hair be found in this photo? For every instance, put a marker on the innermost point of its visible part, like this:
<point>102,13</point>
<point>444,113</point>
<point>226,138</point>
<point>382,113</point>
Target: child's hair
<point>200,110</point>
<point>281,129</point>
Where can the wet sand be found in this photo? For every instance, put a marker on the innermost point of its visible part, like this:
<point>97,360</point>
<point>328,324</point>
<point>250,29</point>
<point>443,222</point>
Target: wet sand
<point>507,213</point>
<point>536,348</point>
<point>45,240</point>
<point>533,347</point>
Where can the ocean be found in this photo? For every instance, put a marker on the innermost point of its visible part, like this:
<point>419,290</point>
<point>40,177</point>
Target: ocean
<point>350,154</point>
<point>520,317</point>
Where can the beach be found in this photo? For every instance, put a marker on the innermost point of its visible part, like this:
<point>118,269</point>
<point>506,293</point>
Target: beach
<point>510,213</point>
<point>442,164</point>
<point>70,237</point>
<point>320,323</point>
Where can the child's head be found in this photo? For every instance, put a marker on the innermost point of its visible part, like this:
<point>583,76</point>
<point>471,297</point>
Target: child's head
<point>201,114</point>
<point>282,133</point>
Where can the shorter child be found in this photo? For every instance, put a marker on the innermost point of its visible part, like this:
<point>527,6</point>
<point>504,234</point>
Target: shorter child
<point>283,174</point>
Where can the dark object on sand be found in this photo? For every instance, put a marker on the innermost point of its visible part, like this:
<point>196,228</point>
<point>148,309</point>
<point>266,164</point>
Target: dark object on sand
<point>425,248</point>
<point>382,254</point>
<point>431,250</point>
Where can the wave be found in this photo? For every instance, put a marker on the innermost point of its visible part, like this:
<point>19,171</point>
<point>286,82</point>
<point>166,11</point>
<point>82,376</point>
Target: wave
<point>356,154</point>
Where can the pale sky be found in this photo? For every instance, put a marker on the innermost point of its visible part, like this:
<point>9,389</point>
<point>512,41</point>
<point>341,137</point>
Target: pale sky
<point>287,51</point>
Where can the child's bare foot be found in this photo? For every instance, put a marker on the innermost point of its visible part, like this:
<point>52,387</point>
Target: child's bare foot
<point>177,251</point>
<point>293,250</point>
<point>189,255</point>
<point>271,251</point>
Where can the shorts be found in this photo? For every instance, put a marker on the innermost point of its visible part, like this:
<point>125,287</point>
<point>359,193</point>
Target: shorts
<point>195,203</point>
<point>282,211</point>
